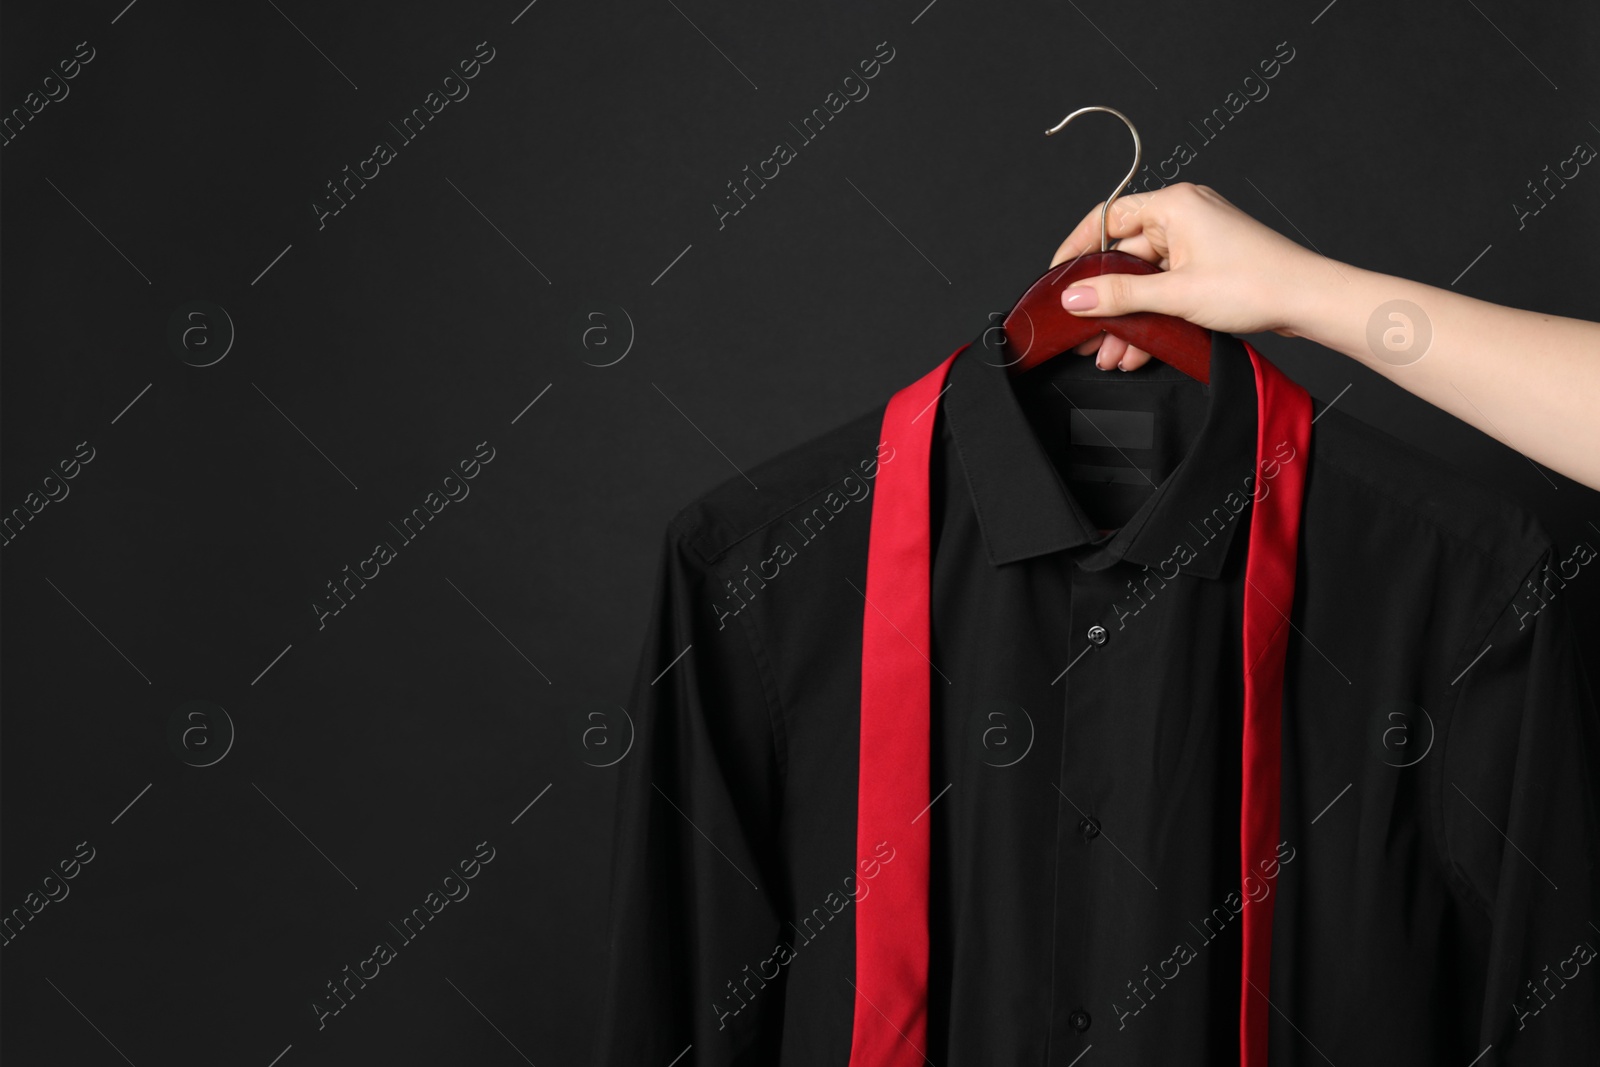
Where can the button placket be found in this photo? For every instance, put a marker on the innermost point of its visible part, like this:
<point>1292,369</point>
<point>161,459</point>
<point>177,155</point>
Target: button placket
<point>1086,690</point>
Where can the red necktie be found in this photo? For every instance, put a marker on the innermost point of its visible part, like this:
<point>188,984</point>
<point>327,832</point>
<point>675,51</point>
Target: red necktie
<point>891,1004</point>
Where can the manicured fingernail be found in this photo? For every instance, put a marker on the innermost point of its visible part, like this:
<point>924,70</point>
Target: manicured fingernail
<point>1079,298</point>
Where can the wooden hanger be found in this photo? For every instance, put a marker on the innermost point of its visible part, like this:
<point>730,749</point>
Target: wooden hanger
<point>1040,328</point>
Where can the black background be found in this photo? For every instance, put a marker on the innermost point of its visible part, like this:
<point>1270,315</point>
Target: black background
<point>371,355</point>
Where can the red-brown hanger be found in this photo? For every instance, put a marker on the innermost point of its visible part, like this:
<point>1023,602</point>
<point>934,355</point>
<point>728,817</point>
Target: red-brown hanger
<point>1040,328</point>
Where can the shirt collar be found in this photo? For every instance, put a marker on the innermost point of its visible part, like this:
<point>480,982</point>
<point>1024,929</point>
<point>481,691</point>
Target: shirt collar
<point>1024,509</point>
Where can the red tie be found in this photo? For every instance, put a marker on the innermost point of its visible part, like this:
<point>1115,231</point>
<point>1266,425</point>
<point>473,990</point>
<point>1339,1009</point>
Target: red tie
<point>891,1004</point>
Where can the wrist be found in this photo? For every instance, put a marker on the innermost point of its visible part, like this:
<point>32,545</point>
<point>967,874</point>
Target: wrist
<point>1319,299</point>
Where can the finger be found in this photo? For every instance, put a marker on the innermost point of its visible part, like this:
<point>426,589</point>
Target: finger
<point>1118,294</point>
<point>1123,220</point>
<point>1089,347</point>
<point>1134,358</point>
<point>1111,353</point>
<point>1141,247</point>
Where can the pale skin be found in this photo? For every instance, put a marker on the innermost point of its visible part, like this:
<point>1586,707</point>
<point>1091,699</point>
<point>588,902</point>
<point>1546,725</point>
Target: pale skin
<point>1529,380</point>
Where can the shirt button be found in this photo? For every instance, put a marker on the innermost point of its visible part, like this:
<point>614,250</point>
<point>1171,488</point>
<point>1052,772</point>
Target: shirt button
<point>1079,1020</point>
<point>1089,827</point>
<point>1097,634</point>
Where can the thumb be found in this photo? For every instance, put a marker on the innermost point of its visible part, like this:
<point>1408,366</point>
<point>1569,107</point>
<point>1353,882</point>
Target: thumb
<point>1118,294</point>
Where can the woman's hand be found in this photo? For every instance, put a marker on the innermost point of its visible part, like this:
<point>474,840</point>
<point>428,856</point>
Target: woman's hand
<point>1220,268</point>
<point>1528,379</point>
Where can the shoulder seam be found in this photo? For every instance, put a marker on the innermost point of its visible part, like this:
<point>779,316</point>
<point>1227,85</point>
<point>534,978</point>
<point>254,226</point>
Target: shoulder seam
<point>1410,509</point>
<point>718,554</point>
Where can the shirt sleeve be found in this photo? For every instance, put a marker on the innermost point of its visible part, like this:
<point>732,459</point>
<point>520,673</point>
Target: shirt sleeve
<point>1522,820</point>
<point>693,921</point>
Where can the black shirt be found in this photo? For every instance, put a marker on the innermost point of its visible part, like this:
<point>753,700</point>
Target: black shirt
<point>1436,893</point>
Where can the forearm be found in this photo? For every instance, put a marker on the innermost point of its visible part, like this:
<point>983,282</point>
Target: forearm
<point>1529,380</point>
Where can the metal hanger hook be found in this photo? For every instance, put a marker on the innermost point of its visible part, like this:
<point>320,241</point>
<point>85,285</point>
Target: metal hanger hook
<point>1138,157</point>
